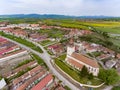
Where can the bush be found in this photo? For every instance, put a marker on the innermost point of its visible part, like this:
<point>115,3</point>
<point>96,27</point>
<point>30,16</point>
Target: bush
<point>90,76</point>
<point>116,88</point>
<point>109,76</point>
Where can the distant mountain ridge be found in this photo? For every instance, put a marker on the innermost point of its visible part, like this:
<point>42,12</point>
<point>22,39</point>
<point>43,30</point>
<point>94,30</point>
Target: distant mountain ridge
<point>52,16</point>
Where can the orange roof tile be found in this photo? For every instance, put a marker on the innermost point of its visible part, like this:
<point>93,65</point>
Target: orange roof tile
<point>31,80</point>
<point>75,63</point>
<point>85,60</point>
<point>43,82</point>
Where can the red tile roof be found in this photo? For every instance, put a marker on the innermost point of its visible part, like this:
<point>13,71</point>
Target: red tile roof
<point>43,82</point>
<point>85,60</point>
<point>31,80</point>
<point>118,56</point>
<point>60,88</point>
<point>74,63</point>
<point>35,70</point>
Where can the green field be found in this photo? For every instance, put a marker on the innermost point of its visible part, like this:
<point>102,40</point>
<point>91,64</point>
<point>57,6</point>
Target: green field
<point>110,26</point>
<point>106,26</point>
<point>52,33</point>
<point>115,30</point>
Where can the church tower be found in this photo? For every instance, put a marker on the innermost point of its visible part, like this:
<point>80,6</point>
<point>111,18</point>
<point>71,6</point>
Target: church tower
<point>70,47</point>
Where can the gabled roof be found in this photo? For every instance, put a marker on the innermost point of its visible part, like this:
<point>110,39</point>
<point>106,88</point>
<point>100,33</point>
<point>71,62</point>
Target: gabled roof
<point>43,82</point>
<point>85,60</point>
<point>75,63</point>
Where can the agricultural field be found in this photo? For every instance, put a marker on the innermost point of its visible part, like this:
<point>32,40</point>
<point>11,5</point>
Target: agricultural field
<point>110,26</point>
<point>106,26</point>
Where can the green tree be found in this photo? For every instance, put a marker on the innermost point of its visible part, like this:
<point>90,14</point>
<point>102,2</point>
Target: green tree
<point>84,72</point>
<point>109,76</point>
<point>105,35</point>
<point>90,76</point>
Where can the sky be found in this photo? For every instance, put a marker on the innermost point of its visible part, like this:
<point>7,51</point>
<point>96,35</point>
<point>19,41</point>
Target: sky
<point>62,7</point>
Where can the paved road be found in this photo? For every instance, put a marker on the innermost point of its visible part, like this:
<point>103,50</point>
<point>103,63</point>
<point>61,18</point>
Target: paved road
<point>108,88</point>
<point>46,57</point>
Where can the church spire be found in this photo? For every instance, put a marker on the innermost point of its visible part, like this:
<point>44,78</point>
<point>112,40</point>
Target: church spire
<point>71,42</point>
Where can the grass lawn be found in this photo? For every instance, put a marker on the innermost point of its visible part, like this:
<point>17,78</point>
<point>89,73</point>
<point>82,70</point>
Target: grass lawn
<point>115,41</point>
<point>67,88</point>
<point>94,54</point>
<point>46,42</point>
<point>62,57</point>
<point>22,41</point>
<point>116,88</point>
<point>36,57</point>
<point>75,74</point>
<point>50,52</point>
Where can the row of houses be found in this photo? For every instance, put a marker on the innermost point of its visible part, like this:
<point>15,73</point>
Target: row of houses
<point>37,78</point>
<point>57,49</point>
<point>72,31</point>
<point>15,71</point>
<point>37,37</point>
<point>8,49</point>
<point>20,30</point>
<point>25,26</point>
<point>24,34</point>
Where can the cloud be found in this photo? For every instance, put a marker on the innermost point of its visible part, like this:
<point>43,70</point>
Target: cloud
<point>66,7</point>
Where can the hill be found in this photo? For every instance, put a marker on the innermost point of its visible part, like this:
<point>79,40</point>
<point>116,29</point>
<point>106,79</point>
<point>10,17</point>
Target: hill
<point>52,16</point>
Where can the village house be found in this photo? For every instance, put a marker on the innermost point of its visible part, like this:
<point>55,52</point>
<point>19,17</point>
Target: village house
<point>20,33</point>
<point>110,63</point>
<point>34,25</point>
<point>109,51</point>
<point>56,49</point>
<point>74,32</point>
<point>86,32</point>
<point>87,47</point>
<point>2,84</point>
<point>3,24</point>
<point>118,56</point>
<point>42,85</point>
<point>37,37</point>
<point>37,78</point>
<point>7,30</point>
<point>22,26</point>
<point>9,50</point>
<point>117,66</point>
<point>46,27</point>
